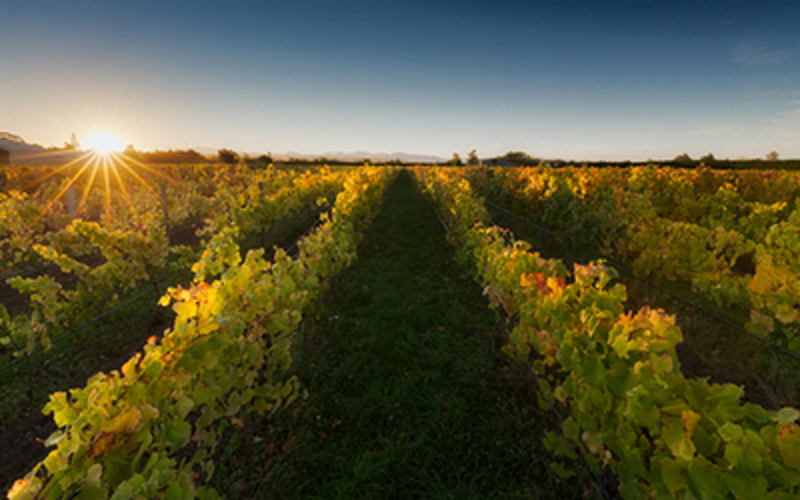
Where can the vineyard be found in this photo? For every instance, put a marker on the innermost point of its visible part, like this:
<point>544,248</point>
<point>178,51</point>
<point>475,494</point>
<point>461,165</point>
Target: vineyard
<point>222,331</point>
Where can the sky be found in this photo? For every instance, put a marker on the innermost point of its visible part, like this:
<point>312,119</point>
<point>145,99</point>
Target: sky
<point>573,79</point>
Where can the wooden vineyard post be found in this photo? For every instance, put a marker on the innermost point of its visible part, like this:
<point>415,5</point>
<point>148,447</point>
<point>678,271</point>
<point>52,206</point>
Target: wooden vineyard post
<point>72,206</point>
<point>263,231</point>
<point>544,233</point>
<point>164,205</point>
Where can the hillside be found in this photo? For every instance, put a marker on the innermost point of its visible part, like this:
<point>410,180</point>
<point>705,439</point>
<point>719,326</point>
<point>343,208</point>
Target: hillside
<point>22,152</point>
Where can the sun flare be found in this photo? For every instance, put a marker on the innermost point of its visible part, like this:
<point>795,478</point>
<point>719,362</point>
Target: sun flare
<point>105,143</point>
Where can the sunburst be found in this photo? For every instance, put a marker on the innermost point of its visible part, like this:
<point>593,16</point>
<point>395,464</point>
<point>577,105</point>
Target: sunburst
<point>105,143</point>
<point>104,159</point>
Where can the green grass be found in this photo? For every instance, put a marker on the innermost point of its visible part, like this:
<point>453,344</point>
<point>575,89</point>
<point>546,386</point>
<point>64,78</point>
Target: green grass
<point>405,391</point>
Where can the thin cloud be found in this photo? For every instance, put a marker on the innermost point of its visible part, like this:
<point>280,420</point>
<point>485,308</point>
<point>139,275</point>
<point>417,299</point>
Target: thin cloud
<point>723,130</point>
<point>748,54</point>
<point>787,123</point>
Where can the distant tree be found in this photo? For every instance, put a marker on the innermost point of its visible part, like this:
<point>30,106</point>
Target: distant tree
<point>519,158</point>
<point>180,156</point>
<point>262,161</point>
<point>5,156</point>
<point>683,159</point>
<point>707,159</point>
<point>131,153</point>
<point>456,160</point>
<point>472,158</point>
<point>773,156</point>
<point>227,156</point>
<point>8,136</point>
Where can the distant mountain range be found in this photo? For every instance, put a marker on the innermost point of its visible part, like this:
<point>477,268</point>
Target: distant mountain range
<point>342,155</point>
<point>23,152</point>
<point>360,155</point>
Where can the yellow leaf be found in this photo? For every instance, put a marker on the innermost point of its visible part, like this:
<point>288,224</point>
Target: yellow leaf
<point>785,313</point>
<point>762,320</point>
<point>25,489</point>
<point>130,367</point>
<point>125,423</point>
<point>789,445</point>
<point>526,280</point>
<point>690,420</point>
<point>102,444</point>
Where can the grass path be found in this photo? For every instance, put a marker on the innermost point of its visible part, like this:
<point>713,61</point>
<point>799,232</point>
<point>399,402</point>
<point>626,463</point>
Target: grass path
<point>408,395</point>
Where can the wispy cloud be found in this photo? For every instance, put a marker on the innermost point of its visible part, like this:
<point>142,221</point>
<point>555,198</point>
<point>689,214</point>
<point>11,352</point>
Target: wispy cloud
<point>748,54</point>
<point>723,130</point>
<point>787,123</point>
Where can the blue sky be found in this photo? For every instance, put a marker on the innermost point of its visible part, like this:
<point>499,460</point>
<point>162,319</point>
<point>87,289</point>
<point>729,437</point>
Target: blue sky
<point>574,79</point>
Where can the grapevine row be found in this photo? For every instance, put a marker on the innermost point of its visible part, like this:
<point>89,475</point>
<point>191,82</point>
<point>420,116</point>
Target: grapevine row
<point>148,430</point>
<point>133,258</point>
<point>753,263</point>
<point>630,407</point>
<point>36,213</point>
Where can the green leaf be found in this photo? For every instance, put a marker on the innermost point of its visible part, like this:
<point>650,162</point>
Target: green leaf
<point>679,444</point>
<point>734,450</point>
<point>727,398</point>
<point>591,370</point>
<point>208,493</point>
<point>177,433</point>
<point>673,473</point>
<point>731,432</point>
<point>91,492</point>
<point>184,406</point>
<point>630,491</point>
<point>199,350</point>
<point>561,471</point>
<point>154,367</point>
<point>123,492</point>
<point>642,409</point>
<point>632,464</point>
<point>786,416</point>
<point>622,346</point>
<point>55,438</point>
<point>619,378</point>
<point>707,444</point>
<point>746,486</point>
<point>570,428</point>
<point>205,395</point>
<point>705,479</point>
<point>756,413</point>
<point>557,444</point>
<point>567,357</point>
<point>663,364</point>
<point>174,491</point>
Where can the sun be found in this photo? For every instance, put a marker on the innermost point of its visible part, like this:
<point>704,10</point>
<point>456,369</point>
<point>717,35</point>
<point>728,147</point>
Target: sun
<point>105,143</point>
<point>101,165</point>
